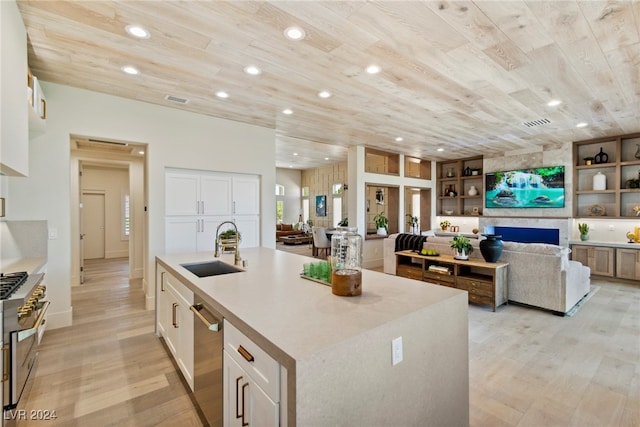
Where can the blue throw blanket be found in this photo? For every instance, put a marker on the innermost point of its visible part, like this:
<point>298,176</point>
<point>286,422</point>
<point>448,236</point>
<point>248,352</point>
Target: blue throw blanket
<point>406,241</point>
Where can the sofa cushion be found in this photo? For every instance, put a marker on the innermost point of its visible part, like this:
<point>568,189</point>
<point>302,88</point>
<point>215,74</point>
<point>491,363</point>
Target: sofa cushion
<point>287,227</point>
<point>278,227</point>
<point>406,241</point>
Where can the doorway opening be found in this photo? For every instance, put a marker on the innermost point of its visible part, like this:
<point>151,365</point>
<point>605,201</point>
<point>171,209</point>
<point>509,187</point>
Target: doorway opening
<point>108,193</point>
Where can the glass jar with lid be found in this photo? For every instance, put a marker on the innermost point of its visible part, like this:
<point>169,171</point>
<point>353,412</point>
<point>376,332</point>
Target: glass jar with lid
<point>346,262</point>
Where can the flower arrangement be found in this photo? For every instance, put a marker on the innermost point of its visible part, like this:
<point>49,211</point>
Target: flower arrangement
<point>636,209</point>
<point>381,221</point>
<point>444,224</point>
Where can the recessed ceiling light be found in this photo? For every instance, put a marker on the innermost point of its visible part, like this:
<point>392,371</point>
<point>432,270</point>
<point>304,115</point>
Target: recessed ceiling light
<point>326,158</point>
<point>554,102</point>
<point>373,69</point>
<point>137,31</point>
<point>295,154</point>
<point>399,139</point>
<point>222,94</point>
<point>130,70</point>
<point>324,94</point>
<point>252,70</point>
<point>294,33</point>
<point>440,149</point>
<point>581,124</point>
<point>140,152</point>
<point>287,111</point>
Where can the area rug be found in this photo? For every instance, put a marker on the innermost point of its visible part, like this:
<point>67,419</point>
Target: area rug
<point>584,299</point>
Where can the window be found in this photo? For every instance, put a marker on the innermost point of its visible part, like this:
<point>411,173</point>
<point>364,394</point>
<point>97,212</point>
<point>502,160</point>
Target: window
<point>337,189</point>
<point>279,210</point>
<point>279,190</point>
<point>305,191</point>
<point>125,229</point>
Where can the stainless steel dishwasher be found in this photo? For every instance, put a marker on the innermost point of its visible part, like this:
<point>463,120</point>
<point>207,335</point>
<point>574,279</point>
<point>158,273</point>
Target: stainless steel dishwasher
<point>207,361</point>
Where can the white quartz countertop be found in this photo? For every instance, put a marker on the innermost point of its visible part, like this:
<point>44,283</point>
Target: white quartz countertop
<point>30,265</point>
<point>623,245</point>
<point>293,318</point>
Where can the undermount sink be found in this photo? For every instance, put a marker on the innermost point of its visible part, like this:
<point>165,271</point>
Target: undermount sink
<point>211,268</point>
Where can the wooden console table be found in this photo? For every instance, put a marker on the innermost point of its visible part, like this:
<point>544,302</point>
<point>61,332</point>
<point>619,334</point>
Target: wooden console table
<point>486,282</point>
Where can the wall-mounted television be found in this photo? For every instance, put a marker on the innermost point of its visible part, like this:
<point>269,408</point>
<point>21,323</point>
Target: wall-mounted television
<point>525,188</point>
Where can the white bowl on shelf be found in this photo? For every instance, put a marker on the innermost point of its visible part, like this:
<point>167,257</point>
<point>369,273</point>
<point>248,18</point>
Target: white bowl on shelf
<point>448,212</point>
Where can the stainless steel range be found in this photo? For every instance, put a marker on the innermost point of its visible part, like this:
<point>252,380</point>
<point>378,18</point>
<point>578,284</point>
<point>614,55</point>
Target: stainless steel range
<point>23,314</point>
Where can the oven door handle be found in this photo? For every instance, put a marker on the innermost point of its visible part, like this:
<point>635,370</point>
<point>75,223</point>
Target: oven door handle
<point>26,333</point>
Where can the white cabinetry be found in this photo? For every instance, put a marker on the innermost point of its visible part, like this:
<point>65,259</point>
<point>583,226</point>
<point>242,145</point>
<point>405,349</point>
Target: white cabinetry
<point>251,382</point>
<point>196,202</point>
<point>14,133</point>
<point>175,321</point>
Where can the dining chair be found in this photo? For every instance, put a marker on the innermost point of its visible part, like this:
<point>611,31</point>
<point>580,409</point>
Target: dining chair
<point>320,241</point>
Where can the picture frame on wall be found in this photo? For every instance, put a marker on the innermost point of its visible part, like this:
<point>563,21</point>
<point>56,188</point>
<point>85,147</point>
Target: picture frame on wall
<point>321,205</point>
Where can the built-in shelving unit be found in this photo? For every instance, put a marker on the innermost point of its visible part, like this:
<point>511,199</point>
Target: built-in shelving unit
<point>621,168</point>
<point>377,161</point>
<point>454,179</point>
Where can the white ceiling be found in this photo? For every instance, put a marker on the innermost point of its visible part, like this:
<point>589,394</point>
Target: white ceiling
<point>463,76</point>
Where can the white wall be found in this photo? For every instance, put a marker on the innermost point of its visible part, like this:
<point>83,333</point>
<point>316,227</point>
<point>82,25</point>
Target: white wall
<point>175,139</point>
<point>290,178</point>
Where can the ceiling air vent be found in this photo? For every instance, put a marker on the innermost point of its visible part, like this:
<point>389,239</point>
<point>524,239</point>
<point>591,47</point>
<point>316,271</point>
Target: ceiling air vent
<point>176,99</point>
<point>537,122</point>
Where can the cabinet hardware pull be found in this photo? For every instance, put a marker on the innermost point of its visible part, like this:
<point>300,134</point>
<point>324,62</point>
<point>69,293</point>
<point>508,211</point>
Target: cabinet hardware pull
<point>202,208</point>
<point>5,356</point>
<point>243,351</point>
<point>162,281</point>
<point>212,326</point>
<point>245,385</point>
<point>234,207</point>
<point>26,333</point>
<point>238,415</point>
<point>173,315</point>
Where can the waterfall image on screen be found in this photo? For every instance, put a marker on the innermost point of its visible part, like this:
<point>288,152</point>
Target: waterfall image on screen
<point>525,188</point>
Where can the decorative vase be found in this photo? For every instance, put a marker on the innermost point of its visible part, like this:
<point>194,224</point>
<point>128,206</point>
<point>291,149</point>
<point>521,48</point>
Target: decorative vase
<point>382,231</point>
<point>584,237</point>
<point>473,191</point>
<point>491,247</point>
<point>599,181</point>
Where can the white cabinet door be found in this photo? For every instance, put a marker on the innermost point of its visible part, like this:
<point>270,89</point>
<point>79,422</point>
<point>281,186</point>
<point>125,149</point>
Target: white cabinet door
<point>249,226</point>
<point>162,306</point>
<point>182,194</point>
<point>215,194</point>
<point>245,403</point>
<point>179,337</point>
<point>246,195</point>
<point>181,234</point>
<point>207,235</point>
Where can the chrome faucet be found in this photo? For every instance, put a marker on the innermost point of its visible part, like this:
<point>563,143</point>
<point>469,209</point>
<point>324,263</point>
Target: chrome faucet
<point>236,257</point>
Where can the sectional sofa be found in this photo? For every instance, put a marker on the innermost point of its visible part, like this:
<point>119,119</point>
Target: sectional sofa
<point>539,275</point>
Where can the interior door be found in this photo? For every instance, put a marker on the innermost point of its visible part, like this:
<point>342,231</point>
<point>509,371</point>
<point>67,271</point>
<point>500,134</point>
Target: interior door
<point>93,217</point>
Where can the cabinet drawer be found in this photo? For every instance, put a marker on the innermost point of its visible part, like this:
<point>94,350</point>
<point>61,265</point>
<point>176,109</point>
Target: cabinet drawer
<point>480,299</point>
<point>410,272</point>
<point>263,369</point>
<point>477,287</point>
<point>446,279</point>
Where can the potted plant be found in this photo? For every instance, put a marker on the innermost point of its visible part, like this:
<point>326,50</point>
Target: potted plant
<point>381,222</point>
<point>344,223</point>
<point>584,231</point>
<point>412,222</point>
<point>444,224</point>
<point>462,245</point>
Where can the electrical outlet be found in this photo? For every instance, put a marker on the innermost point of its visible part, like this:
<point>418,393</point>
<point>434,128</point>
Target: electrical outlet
<point>396,351</point>
<point>53,233</point>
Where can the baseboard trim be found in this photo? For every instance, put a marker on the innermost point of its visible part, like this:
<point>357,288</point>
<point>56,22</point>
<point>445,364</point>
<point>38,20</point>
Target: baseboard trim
<point>61,319</point>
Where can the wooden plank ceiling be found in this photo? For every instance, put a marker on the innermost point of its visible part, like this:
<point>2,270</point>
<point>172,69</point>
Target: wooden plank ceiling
<point>458,75</point>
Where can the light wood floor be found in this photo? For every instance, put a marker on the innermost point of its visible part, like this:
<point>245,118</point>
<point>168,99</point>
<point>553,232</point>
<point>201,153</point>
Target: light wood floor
<point>527,367</point>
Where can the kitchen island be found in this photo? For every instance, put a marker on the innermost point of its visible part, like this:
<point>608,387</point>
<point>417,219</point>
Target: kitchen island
<point>337,351</point>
